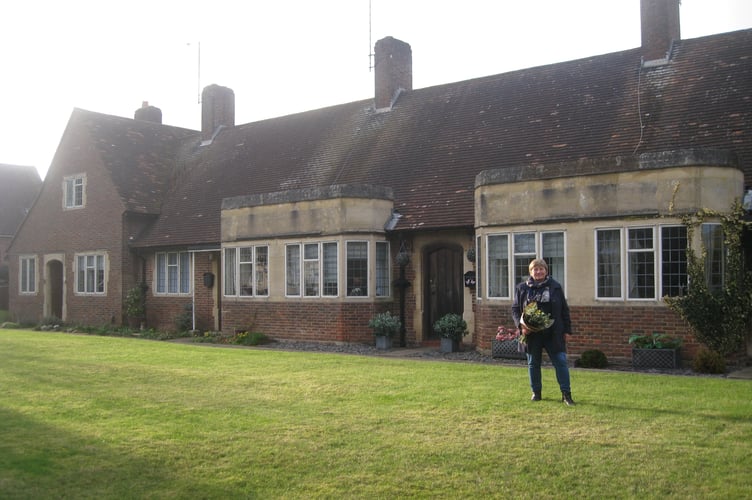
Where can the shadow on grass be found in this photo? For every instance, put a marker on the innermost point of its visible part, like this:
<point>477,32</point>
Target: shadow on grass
<point>42,461</point>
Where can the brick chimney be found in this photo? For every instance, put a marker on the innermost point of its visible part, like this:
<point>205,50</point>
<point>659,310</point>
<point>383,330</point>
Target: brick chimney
<point>217,109</point>
<point>660,27</point>
<point>148,113</point>
<point>393,68</point>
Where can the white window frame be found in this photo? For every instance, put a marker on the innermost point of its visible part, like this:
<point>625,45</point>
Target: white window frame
<point>311,275</point>
<point>621,263</point>
<point>73,185</point>
<point>183,263</point>
<point>627,264</point>
<point>329,248</point>
<point>256,280</point>
<point>293,276</point>
<point>27,285</point>
<point>362,291</point>
<point>383,269</point>
<point>91,264</point>
<point>524,257</point>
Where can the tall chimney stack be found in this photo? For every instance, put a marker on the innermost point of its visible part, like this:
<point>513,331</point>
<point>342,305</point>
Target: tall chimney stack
<point>217,109</point>
<point>393,68</point>
<point>660,27</point>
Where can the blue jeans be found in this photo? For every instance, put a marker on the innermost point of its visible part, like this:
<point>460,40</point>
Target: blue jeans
<point>558,359</point>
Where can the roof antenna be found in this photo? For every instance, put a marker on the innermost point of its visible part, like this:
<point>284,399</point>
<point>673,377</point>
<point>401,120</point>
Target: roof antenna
<point>370,45</point>
<point>198,76</point>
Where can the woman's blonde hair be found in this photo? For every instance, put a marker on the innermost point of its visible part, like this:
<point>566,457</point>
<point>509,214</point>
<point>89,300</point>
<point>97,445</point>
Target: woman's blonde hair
<point>537,262</point>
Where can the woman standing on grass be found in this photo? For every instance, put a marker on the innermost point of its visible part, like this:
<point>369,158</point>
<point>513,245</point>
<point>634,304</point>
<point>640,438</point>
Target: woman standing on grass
<point>547,294</point>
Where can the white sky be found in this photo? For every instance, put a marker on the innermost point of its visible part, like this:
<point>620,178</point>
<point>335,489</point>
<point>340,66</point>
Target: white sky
<point>281,56</point>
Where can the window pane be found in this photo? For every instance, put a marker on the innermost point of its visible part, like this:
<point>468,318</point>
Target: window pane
<point>230,256</point>
<point>382,269</point>
<point>100,274</point>
<point>185,272</point>
<point>641,264</point>
<point>478,273</point>
<point>673,261</point>
<point>90,276</point>
<point>311,269</point>
<point>262,270</point>
<point>524,252</point>
<point>172,272</point>
<point>293,270</point>
<point>28,275</point>
<point>553,254</point>
<point>712,241</point>
<point>357,268</point>
<point>161,273</point>
<point>498,266</point>
<point>330,269</point>
<point>609,263</point>
<point>79,195</point>
<point>245,266</point>
<point>81,281</point>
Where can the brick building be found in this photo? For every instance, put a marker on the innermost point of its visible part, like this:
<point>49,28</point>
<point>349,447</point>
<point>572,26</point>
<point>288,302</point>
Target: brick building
<point>299,226</point>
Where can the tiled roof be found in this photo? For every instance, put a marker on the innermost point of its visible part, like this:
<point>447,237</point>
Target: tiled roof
<point>19,186</point>
<point>433,143</point>
<point>139,155</point>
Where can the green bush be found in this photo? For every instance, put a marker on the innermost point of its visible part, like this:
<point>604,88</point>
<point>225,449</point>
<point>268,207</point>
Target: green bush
<point>720,319</point>
<point>249,338</point>
<point>384,324</point>
<point>592,358</point>
<point>184,320</point>
<point>451,326</point>
<point>654,341</point>
<point>707,361</point>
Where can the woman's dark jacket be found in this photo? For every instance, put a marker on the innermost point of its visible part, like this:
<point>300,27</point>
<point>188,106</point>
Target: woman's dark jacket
<point>550,297</point>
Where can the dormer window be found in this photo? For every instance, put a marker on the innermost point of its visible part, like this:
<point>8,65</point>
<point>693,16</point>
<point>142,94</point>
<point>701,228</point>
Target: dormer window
<point>74,192</point>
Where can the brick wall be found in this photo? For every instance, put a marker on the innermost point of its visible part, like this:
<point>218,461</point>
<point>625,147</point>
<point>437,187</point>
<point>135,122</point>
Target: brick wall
<point>606,328</point>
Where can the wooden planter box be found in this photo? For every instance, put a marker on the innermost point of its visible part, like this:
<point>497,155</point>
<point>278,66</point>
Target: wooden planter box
<point>655,358</point>
<point>506,349</point>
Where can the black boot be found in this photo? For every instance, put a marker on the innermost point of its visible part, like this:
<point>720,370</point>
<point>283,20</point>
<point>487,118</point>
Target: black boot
<point>536,396</point>
<point>566,398</point>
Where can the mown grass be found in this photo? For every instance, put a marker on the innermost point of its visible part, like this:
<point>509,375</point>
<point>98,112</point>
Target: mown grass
<point>103,417</point>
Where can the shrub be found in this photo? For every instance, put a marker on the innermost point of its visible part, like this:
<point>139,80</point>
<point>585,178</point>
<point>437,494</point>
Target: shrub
<point>654,341</point>
<point>134,304</point>
<point>720,318</point>
<point>249,338</point>
<point>451,326</point>
<point>707,361</point>
<point>592,358</point>
<point>384,324</point>
<point>184,320</point>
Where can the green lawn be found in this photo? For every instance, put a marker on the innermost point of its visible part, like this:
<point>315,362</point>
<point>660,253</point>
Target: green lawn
<point>105,417</point>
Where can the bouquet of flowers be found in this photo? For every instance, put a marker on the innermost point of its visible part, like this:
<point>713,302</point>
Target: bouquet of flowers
<point>534,319</point>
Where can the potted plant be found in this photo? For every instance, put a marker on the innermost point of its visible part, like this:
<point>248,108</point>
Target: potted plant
<point>656,350</point>
<point>385,326</point>
<point>451,328</point>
